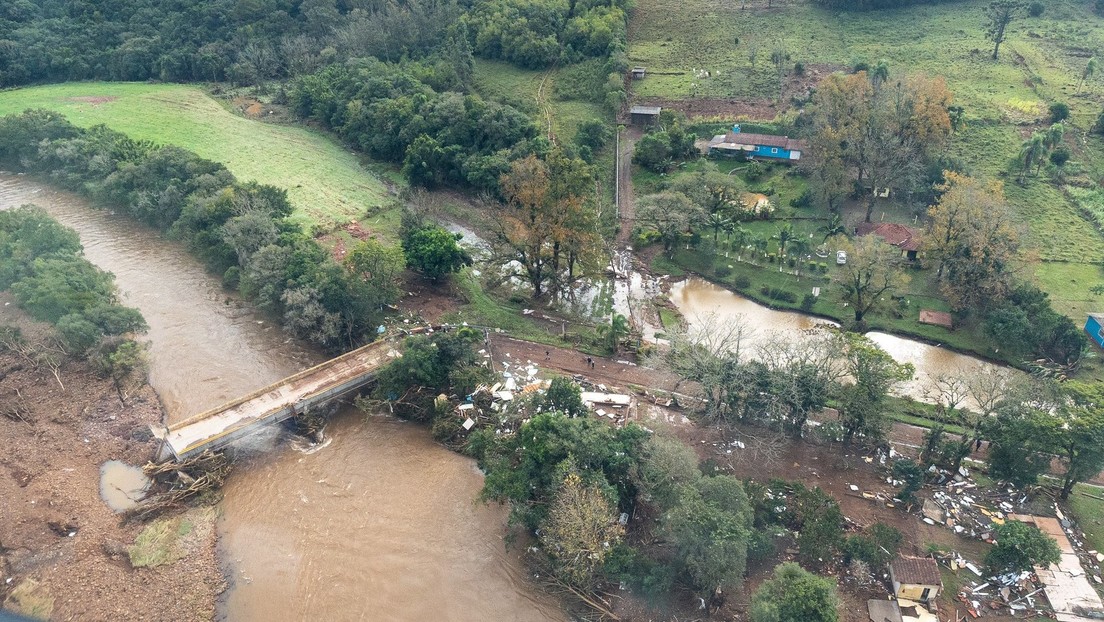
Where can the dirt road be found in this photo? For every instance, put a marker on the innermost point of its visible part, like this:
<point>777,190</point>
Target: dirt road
<point>626,199</point>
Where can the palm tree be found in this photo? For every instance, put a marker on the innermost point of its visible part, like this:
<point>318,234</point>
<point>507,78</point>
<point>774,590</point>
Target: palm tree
<point>1031,151</point>
<point>717,221</point>
<point>760,244</point>
<point>799,246</point>
<point>833,226</point>
<point>1087,74</point>
<point>614,331</point>
<point>739,237</point>
<point>784,236</point>
<point>879,73</point>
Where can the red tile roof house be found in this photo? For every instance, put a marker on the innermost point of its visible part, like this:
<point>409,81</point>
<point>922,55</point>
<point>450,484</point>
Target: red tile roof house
<point>915,578</point>
<point>905,238</point>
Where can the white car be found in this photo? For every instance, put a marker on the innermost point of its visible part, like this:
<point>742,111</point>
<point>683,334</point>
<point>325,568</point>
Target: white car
<point>841,257</point>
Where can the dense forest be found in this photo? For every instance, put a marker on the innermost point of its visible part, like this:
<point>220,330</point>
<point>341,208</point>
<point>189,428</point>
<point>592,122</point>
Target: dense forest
<point>253,41</point>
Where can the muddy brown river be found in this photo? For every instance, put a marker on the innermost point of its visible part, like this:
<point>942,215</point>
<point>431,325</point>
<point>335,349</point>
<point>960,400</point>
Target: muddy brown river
<point>378,524</point>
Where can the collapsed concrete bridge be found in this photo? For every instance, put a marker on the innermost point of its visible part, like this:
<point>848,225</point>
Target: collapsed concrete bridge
<point>281,400</point>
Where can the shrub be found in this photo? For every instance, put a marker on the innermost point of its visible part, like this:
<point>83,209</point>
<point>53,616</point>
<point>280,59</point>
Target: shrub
<point>742,282</point>
<point>1059,111</point>
<point>805,200</point>
<point>811,267</point>
<point>799,68</point>
<point>807,302</point>
<point>911,476</point>
<point>875,546</point>
<point>1060,155</point>
<point>755,171</point>
<point>823,267</point>
<point>793,594</point>
<point>232,277</point>
<point>1035,9</point>
<point>722,271</point>
<point>776,293</point>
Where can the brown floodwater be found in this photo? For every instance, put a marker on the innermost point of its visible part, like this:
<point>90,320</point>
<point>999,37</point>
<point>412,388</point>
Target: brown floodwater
<point>122,485</point>
<point>703,304</point>
<point>380,523</point>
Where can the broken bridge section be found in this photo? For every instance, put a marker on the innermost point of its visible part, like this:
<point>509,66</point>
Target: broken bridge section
<point>281,400</point>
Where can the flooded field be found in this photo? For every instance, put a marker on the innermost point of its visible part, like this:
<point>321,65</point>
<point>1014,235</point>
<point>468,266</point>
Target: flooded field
<point>702,302</point>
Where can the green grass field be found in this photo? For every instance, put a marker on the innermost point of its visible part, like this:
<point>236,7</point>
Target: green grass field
<point>536,93</point>
<point>325,182</point>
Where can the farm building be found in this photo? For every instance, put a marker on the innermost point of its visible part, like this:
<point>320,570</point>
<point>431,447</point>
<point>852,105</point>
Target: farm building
<point>1094,326</point>
<point>915,578</point>
<point>905,238</point>
<point>638,72</point>
<point>749,145</point>
<point>644,115</point>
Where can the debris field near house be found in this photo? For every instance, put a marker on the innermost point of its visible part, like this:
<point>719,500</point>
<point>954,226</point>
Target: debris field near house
<point>489,405</point>
<point>1066,584</point>
<point>957,504</point>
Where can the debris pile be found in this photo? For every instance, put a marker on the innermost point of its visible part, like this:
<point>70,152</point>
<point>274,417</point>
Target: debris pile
<point>509,402</point>
<point>1016,594</point>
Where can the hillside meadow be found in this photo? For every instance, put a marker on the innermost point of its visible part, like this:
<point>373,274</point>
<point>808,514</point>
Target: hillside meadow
<point>1004,100</point>
<point>326,184</point>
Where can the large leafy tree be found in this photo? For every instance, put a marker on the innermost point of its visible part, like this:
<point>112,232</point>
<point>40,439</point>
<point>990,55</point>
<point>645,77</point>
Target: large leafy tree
<point>874,373</point>
<point>1020,547</point>
<point>710,528</point>
<point>434,252</point>
<point>523,469</point>
<point>1046,421</point>
<point>872,274</point>
<point>670,216</point>
<point>879,135</point>
<point>548,224</point>
<point>580,530</point>
<point>794,594</point>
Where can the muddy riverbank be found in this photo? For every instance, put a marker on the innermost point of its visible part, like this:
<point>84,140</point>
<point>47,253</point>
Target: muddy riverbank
<point>63,551</point>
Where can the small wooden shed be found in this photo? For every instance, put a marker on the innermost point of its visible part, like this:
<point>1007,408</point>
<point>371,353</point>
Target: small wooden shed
<point>644,115</point>
<point>915,578</point>
<point>638,72</point>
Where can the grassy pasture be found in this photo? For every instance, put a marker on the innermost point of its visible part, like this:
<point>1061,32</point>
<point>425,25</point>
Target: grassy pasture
<point>325,182</point>
<point>536,93</point>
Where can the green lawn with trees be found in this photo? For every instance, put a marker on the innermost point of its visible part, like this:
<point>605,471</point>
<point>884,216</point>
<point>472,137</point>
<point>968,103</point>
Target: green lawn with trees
<point>326,185</point>
<point>1027,119</point>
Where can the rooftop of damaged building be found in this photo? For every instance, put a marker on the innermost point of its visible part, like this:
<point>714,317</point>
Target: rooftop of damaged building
<point>916,570</point>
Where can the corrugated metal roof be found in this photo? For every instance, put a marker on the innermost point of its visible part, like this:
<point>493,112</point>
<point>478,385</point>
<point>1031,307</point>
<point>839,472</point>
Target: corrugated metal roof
<point>767,140</point>
<point>648,110</point>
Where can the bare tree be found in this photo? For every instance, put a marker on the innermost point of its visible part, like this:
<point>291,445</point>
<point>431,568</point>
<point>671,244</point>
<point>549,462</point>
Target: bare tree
<point>709,352</point>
